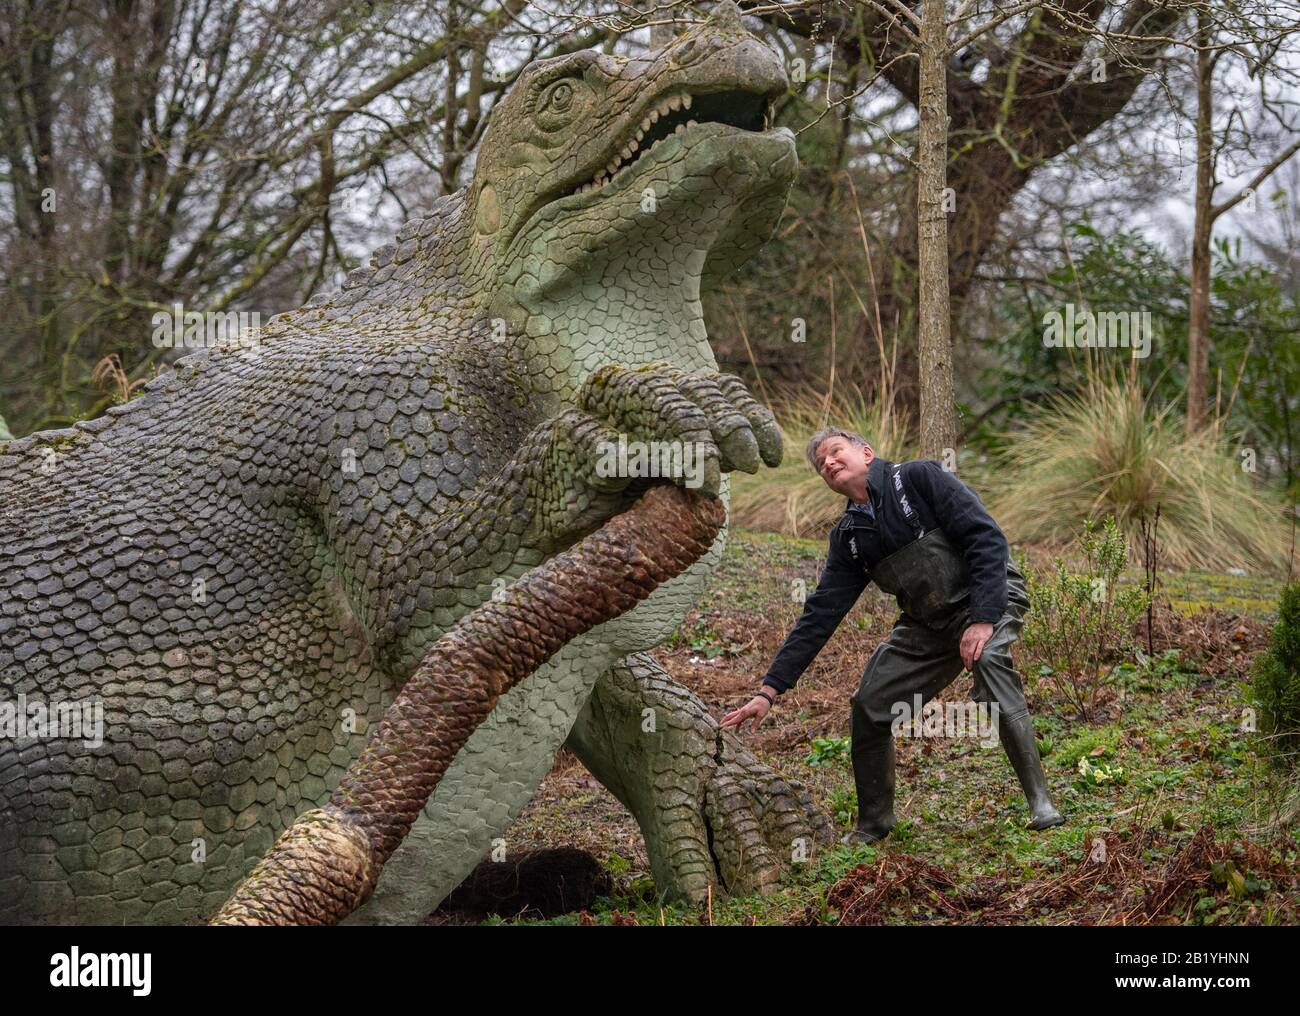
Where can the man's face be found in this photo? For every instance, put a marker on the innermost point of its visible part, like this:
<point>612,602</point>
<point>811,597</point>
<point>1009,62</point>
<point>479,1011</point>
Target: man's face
<point>843,465</point>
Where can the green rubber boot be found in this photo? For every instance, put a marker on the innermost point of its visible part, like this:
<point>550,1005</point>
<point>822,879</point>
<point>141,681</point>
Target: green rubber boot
<point>1017,736</point>
<point>873,774</point>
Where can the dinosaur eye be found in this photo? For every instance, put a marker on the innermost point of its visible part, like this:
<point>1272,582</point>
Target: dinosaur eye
<point>560,99</point>
<point>560,102</point>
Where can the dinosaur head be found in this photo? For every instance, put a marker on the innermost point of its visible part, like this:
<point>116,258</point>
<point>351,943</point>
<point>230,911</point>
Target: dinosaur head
<point>593,156</point>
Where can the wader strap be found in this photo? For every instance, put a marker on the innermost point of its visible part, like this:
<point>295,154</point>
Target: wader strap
<point>908,511</point>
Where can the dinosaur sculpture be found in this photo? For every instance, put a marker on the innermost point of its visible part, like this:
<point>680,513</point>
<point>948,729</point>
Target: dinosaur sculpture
<point>244,565</point>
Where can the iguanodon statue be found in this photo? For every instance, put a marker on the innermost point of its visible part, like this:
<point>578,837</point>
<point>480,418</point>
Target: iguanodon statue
<point>245,564</point>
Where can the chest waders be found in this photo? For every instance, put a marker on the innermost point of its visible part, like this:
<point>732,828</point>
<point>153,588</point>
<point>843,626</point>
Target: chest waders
<point>921,657</point>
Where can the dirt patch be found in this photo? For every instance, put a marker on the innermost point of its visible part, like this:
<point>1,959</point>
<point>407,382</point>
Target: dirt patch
<point>1220,642</point>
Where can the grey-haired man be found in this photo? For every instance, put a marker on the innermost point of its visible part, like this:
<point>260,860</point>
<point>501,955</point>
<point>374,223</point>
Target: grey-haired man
<point>922,535</point>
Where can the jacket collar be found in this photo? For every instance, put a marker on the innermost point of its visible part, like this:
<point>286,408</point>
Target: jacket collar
<point>876,473</point>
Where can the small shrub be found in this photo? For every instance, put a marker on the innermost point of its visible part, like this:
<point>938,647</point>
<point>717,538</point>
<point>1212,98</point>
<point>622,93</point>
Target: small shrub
<point>1080,622</point>
<point>1277,680</point>
<point>828,750</point>
<point>843,804</point>
<point>1090,742</point>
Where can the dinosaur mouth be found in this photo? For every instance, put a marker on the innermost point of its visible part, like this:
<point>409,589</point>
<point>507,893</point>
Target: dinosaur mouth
<point>673,115</point>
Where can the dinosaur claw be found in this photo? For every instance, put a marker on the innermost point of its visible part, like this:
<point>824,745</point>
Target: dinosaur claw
<point>770,443</point>
<point>741,451</point>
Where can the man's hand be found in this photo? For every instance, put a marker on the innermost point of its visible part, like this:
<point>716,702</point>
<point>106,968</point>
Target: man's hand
<point>756,708</point>
<point>973,640</point>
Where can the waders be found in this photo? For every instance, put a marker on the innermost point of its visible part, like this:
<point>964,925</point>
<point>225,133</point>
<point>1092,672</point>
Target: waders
<point>921,657</point>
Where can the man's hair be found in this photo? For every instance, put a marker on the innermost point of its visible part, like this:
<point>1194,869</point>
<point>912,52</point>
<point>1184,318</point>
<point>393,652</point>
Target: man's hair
<point>826,434</point>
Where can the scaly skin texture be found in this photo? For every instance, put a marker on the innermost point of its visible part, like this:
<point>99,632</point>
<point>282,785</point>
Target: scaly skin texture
<point>246,563</point>
<point>327,863</point>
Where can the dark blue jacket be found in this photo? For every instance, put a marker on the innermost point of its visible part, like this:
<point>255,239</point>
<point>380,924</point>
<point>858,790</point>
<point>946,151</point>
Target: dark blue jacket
<point>861,539</point>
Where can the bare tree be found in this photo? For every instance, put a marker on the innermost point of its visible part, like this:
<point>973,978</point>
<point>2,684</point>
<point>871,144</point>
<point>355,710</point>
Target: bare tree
<point>1024,83</point>
<point>160,151</point>
<point>1263,36</point>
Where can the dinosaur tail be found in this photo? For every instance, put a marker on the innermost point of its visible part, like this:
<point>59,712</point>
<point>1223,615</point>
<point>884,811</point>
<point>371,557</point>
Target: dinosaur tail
<point>326,865</point>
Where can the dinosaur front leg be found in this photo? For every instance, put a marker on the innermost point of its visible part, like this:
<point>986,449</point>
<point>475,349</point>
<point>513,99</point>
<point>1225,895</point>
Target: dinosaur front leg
<point>565,481</point>
<point>711,813</point>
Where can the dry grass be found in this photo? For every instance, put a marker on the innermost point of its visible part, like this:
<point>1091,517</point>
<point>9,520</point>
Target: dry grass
<point>1119,882</point>
<point>1107,452</point>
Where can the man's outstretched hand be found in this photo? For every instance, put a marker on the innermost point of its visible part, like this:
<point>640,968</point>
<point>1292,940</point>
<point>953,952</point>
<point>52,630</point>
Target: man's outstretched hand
<point>756,709</point>
<point>973,640</point>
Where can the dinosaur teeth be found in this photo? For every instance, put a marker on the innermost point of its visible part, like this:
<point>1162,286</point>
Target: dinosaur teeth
<point>633,147</point>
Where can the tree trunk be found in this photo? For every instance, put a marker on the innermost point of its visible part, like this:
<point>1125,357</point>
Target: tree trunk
<point>1198,312</point>
<point>938,424</point>
<point>661,34</point>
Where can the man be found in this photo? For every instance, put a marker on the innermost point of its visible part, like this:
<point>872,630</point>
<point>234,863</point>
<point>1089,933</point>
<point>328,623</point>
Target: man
<point>922,535</point>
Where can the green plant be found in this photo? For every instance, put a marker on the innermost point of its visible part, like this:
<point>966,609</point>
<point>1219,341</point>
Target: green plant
<point>707,647</point>
<point>1093,742</point>
<point>704,642</point>
<point>1081,621</point>
<point>1155,673</point>
<point>1106,451</point>
<point>1098,774</point>
<point>1277,680</point>
<point>828,750</point>
<point>843,804</point>
<point>1255,310</point>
